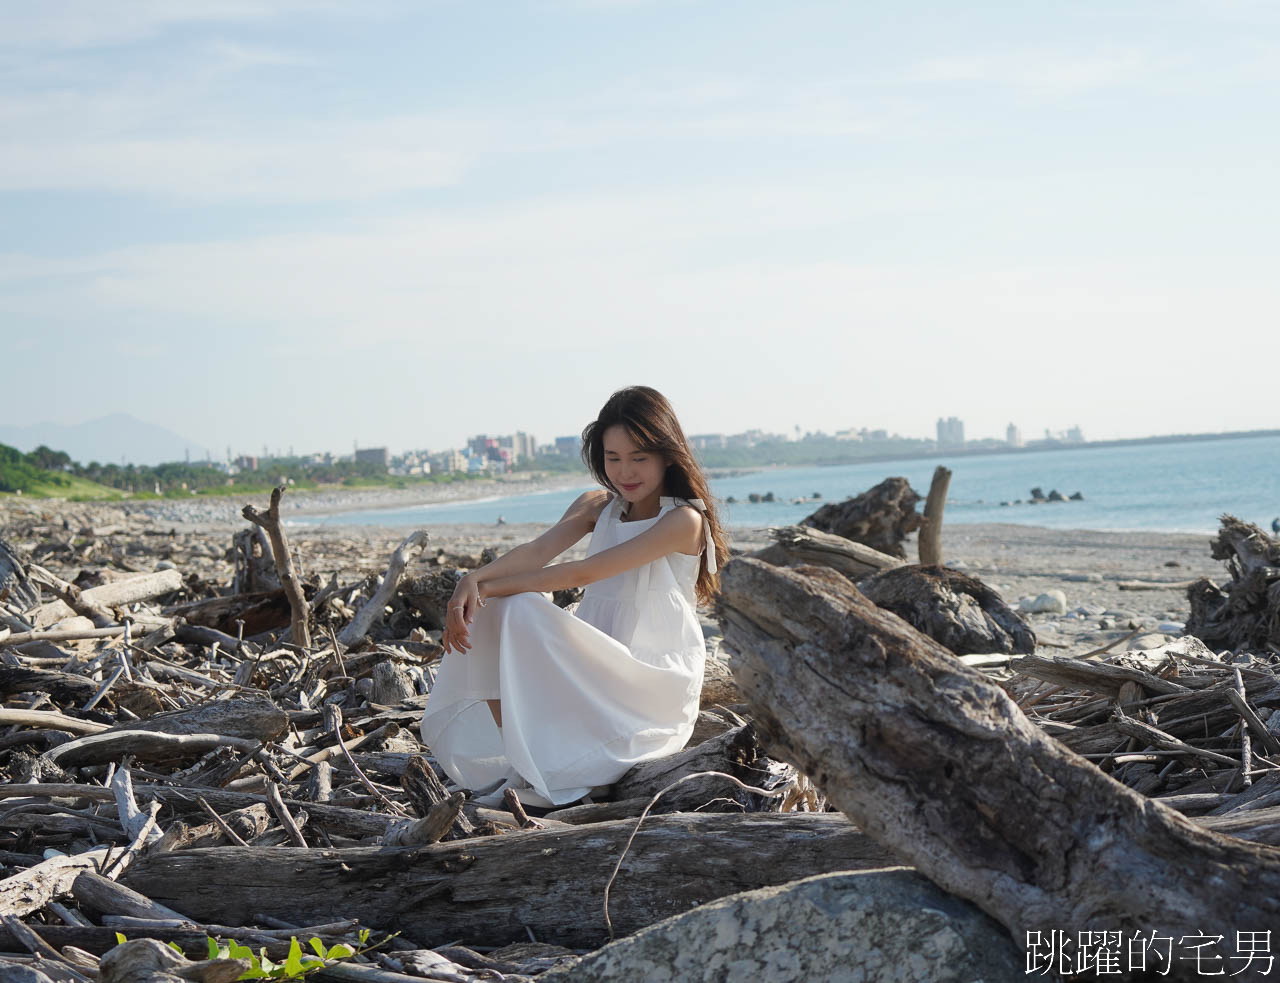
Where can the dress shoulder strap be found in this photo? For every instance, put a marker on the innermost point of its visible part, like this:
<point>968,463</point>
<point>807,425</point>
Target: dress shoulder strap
<point>708,543</point>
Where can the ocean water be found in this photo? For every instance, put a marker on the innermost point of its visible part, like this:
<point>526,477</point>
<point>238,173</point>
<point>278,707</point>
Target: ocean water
<point>1175,487</point>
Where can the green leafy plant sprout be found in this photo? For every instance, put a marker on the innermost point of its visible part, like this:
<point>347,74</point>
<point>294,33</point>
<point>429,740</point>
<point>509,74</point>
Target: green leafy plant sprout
<point>297,964</point>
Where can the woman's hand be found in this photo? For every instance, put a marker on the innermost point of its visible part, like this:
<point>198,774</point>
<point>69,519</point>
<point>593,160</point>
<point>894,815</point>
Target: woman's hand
<point>463,605</point>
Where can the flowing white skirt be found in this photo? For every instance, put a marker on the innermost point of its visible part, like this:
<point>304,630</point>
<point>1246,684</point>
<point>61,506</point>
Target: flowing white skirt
<point>578,707</point>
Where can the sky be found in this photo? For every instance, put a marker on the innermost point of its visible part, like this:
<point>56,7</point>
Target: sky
<point>318,222</point>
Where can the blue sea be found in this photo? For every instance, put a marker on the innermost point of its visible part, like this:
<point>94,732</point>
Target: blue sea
<point>1171,487</point>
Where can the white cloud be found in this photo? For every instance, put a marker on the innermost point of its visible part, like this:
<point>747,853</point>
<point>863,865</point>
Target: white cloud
<point>330,163</point>
<point>70,24</point>
<point>1045,71</point>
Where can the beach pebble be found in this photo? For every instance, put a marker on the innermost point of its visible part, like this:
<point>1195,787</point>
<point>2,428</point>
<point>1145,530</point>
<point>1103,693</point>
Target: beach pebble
<point>1149,641</point>
<point>1171,627</point>
<point>1050,602</point>
<point>1082,578</point>
<point>1106,624</point>
<point>166,565</point>
<point>1120,615</point>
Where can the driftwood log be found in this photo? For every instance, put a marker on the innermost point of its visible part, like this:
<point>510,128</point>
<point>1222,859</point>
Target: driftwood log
<point>802,545</point>
<point>17,591</point>
<point>494,890</point>
<point>960,611</point>
<point>254,568</point>
<point>939,765</point>
<point>736,752</point>
<point>880,517</point>
<point>300,622</point>
<point>429,594</point>
<point>929,544</point>
<point>372,609</point>
<point>1245,612</point>
<point>249,717</point>
<point>260,611</point>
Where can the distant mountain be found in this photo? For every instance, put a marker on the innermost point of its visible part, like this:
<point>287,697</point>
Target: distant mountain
<point>106,440</point>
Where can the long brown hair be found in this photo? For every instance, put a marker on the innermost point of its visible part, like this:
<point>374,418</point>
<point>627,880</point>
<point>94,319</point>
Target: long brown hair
<point>652,425</point>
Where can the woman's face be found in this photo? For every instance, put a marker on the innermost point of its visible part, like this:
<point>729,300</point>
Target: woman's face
<point>635,473</point>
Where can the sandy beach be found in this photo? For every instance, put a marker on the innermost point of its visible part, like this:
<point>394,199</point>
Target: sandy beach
<point>1021,562</point>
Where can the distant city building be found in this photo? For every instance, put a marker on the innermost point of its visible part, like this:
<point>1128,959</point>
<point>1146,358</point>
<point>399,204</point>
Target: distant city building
<point>850,434</point>
<point>950,432</point>
<point>479,445</point>
<point>702,441</point>
<point>877,434</point>
<point>246,463</point>
<point>373,455</point>
<point>1013,436</point>
<point>526,445</point>
<point>447,462</point>
<point>1075,435</point>
<point>570,446</point>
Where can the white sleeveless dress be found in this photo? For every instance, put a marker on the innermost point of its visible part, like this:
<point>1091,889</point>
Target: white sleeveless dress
<point>585,695</point>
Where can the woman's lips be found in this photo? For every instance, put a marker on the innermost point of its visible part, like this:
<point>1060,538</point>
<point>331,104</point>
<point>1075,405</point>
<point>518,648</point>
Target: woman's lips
<point>631,487</point>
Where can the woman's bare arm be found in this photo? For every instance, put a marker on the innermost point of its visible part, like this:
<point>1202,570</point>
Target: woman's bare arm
<point>523,560</point>
<point>577,521</point>
<point>679,531</point>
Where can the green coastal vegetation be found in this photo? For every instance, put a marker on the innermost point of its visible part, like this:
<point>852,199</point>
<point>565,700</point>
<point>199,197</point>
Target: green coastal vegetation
<point>46,473</point>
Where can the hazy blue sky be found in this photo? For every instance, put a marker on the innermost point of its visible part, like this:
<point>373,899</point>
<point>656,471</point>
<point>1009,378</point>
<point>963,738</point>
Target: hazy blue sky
<point>308,222</point>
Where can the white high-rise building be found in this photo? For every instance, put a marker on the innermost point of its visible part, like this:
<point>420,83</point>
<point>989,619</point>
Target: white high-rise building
<point>950,432</point>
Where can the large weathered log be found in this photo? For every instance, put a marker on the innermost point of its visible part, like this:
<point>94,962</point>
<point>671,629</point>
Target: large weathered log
<point>880,517</point>
<point>797,545</point>
<point>960,611</point>
<point>938,764</point>
<point>1245,612</point>
<point>488,890</point>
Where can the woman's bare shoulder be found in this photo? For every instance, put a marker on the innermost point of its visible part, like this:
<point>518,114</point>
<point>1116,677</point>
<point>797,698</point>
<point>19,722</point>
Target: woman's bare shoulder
<point>588,506</point>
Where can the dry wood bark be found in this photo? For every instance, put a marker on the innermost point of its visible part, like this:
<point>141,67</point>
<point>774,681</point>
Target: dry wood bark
<point>63,687</point>
<point>1245,612</point>
<point>429,594</point>
<point>254,569</point>
<point>960,611</point>
<point>796,545</point>
<point>36,886</point>
<point>880,517</point>
<point>488,890</point>
<point>929,544</point>
<point>142,744</point>
<point>261,611</point>
<point>938,764</point>
<point>249,717</point>
<point>270,521</point>
<point>371,610</point>
<point>736,752</point>
<point>16,587</point>
<point>97,602</point>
